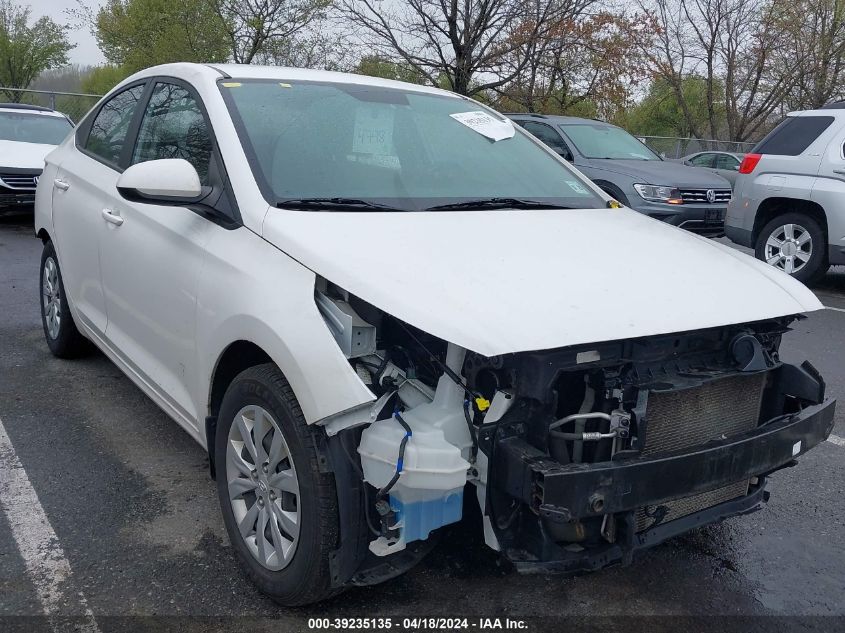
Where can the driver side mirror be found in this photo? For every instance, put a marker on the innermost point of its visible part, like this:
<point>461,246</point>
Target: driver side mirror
<point>166,180</point>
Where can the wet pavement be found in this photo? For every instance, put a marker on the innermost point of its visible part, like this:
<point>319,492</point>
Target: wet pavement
<point>128,495</point>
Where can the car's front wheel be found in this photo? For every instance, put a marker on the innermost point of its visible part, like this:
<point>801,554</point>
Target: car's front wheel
<point>63,339</point>
<point>795,244</point>
<point>280,511</point>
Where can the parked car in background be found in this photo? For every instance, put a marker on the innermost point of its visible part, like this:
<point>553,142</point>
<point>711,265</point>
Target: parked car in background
<point>628,170</point>
<point>725,164</point>
<point>789,197</point>
<point>27,134</point>
<point>367,299</point>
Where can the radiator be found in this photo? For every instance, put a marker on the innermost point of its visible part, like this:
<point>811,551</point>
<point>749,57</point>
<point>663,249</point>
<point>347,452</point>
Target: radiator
<point>682,419</point>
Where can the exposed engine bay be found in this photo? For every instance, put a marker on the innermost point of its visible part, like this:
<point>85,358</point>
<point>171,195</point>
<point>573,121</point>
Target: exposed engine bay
<point>577,456</point>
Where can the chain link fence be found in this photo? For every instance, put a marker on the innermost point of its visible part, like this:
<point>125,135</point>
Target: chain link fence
<point>73,104</point>
<point>676,147</point>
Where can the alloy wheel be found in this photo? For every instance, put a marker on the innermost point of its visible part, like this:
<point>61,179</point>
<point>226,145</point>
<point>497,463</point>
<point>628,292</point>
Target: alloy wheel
<point>263,487</point>
<point>51,297</point>
<point>789,247</point>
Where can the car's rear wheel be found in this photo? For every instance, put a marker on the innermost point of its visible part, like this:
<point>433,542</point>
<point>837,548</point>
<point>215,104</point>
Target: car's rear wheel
<point>795,244</point>
<point>63,339</point>
<point>280,511</point>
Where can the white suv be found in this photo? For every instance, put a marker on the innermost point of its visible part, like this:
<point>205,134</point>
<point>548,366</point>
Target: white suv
<point>365,298</point>
<point>27,134</point>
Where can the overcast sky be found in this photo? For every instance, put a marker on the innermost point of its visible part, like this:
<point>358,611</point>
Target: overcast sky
<point>86,51</point>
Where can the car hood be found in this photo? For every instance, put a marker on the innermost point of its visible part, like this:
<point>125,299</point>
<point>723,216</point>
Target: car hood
<point>19,155</point>
<point>497,282</point>
<point>663,172</point>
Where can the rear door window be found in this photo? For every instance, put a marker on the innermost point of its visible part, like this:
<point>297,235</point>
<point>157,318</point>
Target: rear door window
<point>702,160</point>
<point>793,135</point>
<point>725,161</point>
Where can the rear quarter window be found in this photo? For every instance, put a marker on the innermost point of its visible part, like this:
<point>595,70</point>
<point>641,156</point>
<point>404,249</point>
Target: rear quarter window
<point>793,135</point>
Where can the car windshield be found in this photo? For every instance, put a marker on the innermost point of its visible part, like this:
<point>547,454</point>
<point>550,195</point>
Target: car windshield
<point>335,146</point>
<point>604,141</point>
<point>33,128</point>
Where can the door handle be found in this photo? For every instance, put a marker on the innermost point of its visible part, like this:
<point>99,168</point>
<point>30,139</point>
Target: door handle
<point>841,172</point>
<point>58,183</point>
<point>112,217</point>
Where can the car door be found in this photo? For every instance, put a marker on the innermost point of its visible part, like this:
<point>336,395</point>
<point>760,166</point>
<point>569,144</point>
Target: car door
<point>152,254</point>
<point>84,185</point>
<point>550,137</point>
<point>727,166</point>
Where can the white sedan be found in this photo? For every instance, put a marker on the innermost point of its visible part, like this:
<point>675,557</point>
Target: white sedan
<point>378,304</point>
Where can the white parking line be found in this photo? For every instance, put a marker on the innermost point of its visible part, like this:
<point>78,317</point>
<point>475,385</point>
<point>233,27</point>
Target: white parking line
<point>835,309</point>
<point>835,439</point>
<point>45,561</point>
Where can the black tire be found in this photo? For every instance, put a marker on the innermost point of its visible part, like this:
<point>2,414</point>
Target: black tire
<point>66,341</point>
<point>306,578</point>
<point>816,267</point>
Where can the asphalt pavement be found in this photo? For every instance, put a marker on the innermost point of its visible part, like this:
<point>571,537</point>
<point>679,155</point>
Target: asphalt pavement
<point>123,529</point>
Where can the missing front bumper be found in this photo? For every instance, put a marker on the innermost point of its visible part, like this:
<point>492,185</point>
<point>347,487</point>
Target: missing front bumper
<point>573,562</point>
<point>570,494</point>
<point>582,490</point>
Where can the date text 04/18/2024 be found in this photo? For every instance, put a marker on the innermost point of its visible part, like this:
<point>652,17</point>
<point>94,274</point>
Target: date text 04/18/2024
<point>418,624</point>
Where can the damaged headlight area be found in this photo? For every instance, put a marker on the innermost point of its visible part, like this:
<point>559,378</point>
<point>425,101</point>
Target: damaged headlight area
<point>577,457</point>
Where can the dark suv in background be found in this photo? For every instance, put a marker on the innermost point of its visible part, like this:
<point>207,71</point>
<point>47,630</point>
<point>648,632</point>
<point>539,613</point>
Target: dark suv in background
<point>628,170</point>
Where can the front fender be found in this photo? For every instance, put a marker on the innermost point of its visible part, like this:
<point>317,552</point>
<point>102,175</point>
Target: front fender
<point>251,291</point>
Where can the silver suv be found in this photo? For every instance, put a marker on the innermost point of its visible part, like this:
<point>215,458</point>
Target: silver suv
<point>788,198</point>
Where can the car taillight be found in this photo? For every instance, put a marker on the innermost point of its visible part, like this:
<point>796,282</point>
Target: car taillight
<point>749,163</point>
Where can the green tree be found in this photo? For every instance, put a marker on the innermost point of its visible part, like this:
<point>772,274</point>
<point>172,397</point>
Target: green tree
<point>135,34</point>
<point>376,66</point>
<point>26,50</point>
<point>660,113</point>
<point>103,78</point>
<point>257,30</point>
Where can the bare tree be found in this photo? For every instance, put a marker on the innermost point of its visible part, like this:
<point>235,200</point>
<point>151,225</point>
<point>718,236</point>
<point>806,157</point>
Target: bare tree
<point>816,43</point>
<point>466,45</point>
<point>593,58</point>
<point>255,26</point>
<point>732,45</point>
<point>311,48</point>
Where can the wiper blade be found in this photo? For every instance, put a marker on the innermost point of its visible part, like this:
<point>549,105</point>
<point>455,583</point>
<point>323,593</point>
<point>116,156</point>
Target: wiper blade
<point>335,204</point>
<point>497,203</point>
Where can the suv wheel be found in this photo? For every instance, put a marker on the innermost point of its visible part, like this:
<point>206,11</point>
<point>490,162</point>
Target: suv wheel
<point>63,339</point>
<point>280,511</point>
<point>795,244</point>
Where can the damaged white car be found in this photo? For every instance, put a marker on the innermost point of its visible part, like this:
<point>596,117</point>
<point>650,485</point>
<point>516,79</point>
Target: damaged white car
<point>377,304</point>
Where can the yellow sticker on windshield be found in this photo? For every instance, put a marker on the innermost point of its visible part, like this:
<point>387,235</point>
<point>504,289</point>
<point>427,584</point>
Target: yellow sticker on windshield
<point>283,85</point>
<point>231,84</point>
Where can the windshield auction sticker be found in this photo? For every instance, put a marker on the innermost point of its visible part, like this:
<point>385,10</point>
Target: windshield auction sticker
<point>485,124</point>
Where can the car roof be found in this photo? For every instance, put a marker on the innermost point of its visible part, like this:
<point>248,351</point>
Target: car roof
<point>835,112</point>
<point>187,70</point>
<point>29,109</point>
<point>714,151</point>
